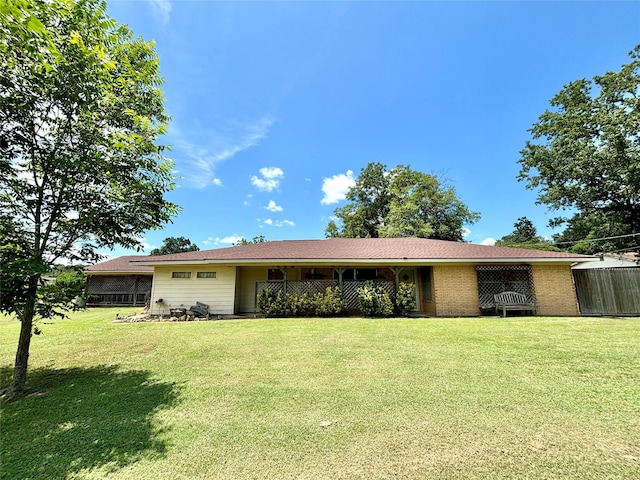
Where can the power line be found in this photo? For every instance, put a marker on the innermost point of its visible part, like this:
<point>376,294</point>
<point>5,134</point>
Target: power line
<point>623,250</point>
<point>597,239</point>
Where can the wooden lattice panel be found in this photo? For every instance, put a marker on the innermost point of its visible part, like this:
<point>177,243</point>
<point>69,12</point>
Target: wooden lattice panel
<point>494,279</point>
<point>311,287</point>
<point>111,284</point>
<point>350,290</point>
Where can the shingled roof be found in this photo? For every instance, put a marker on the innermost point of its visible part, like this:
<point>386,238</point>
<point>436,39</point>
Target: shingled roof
<point>120,265</point>
<point>362,250</point>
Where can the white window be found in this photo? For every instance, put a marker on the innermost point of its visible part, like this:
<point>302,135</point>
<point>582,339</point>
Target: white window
<point>206,275</point>
<point>180,274</point>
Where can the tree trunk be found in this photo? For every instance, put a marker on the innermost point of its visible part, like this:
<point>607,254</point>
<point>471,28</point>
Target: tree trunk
<point>18,388</point>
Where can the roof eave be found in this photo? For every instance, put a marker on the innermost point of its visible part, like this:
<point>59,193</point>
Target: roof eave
<point>364,261</point>
<point>118,272</point>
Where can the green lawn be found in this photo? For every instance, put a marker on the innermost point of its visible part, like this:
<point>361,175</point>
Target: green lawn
<point>349,398</point>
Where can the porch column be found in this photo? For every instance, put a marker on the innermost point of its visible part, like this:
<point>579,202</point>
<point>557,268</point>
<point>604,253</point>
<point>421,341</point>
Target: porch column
<point>284,285</point>
<point>396,272</point>
<point>340,271</point>
<point>135,290</point>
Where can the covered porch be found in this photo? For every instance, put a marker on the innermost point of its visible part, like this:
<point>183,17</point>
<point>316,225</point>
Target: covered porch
<point>312,280</point>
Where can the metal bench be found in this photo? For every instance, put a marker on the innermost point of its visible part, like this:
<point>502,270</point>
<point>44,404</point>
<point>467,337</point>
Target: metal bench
<point>512,301</point>
<point>199,310</point>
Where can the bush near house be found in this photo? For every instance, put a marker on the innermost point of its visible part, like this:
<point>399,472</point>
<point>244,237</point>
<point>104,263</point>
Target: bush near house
<point>405,301</point>
<point>329,303</point>
<point>374,301</point>
<point>271,304</point>
<point>299,305</point>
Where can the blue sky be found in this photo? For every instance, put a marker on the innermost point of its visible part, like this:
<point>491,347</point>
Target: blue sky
<point>277,106</point>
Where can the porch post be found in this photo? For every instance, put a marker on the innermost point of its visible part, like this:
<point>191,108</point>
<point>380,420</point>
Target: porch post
<point>396,272</point>
<point>284,286</point>
<point>135,289</point>
<point>340,271</point>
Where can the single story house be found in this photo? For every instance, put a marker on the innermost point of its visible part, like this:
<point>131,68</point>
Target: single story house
<point>450,278</point>
<point>119,282</point>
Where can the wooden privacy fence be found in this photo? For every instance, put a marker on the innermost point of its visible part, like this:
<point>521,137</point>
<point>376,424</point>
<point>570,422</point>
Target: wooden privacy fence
<point>608,291</point>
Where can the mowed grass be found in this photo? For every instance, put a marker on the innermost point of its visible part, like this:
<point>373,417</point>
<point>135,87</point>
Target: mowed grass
<point>345,398</point>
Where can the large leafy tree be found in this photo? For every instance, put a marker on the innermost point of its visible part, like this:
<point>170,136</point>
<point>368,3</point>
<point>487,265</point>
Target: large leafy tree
<point>585,158</point>
<point>401,202</point>
<point>175,245</point>
<point>80,170</point>
<point>525,235</point>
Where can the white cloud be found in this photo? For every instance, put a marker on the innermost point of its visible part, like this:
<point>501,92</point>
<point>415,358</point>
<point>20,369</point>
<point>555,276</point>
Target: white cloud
<point>273,207</point>
<point>197,152</point>
<point>161,10</point>
<point>488,241</point>
<point>229,240</point>
<point>335,188</point>
<point>270,180</point>
<point>276,223</point>
<point>466,232</point>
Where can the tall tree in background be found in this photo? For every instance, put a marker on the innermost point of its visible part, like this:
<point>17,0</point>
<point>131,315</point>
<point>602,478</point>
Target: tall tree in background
<point>401,202</point>
<point>525,235</point>
<point>175,245</point>
<point>368,205</point>
<point>244,241</point>
<point>80,113</point>
<point>587,158</point>
<point>524,231</point>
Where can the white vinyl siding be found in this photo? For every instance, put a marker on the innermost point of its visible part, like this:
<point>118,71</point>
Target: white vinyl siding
<point>250,275</point>
<point>217,292</point>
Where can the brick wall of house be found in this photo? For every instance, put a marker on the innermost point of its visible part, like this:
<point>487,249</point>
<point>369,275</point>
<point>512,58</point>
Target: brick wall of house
<point>555,292</point>
<point>456,290</point>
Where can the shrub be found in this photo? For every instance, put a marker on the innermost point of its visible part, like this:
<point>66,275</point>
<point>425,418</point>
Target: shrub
<point>374,301</point>
<point>405,299</point>
<point>271,304</point>
<point>299,305</point>
<point>329,303</point>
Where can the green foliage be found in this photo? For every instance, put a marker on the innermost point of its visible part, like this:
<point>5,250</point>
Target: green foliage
<point>299,305</point>
<point>175,245</point>
<point>524,231</point>
<point>374,301</point>
<point>327,304</point>
<point>584,230</point>
<point>537,244</point>
<point>271,304</point>
<point>405,299</point>
<point>71,283</point>
<point>401,203</point>
<point>244,241</point>
<point>80,170</point>
<point>525,235</point>
<point>586,157</point>
<point>18,271</point>
<point>330,303</point>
